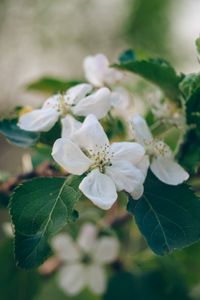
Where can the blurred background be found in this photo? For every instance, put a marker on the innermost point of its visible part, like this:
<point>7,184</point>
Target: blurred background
<point>39,38</point>
<point>52,37</point>
<point>48,37</point>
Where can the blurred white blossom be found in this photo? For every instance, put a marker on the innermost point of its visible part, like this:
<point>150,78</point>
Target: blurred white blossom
<point>99,73</point>
<point>84,260</point>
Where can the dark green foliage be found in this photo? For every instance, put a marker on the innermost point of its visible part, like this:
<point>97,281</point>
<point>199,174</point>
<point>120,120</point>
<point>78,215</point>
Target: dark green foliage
<point>156,71</point>
<point>189,154</point>
<point>39,209</point>
<point>123,285</point>
<point>167,216</point>
<point>152,285</point>
<point>49,137</point>
<point>51,291</point>
<point>14,282</point>
<point>51,85</point>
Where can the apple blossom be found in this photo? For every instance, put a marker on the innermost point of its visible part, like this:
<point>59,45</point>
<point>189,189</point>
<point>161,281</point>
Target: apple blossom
<point>110,168</point>
<point>78,101</point>
<point>162,162</point>
<point>84,259</point>
<point>99,73</point>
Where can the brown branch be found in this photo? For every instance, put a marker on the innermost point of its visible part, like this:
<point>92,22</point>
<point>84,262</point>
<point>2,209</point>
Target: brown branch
<point>43,170</point>
<point>121,220</point>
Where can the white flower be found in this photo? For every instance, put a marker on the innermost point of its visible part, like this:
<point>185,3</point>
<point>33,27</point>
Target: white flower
<point>76,101</point>
<point>69,126</point>
<point>110,168</point>
<point>162,162</point>
<point>120,98</point>
<point>84,260</point>
<point>98,71</point>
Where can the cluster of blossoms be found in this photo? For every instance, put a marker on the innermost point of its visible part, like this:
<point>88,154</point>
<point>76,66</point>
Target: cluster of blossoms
<point>84,147</point>
<point>84,260</point>
<point>107,167</point>
<point>96,97</point>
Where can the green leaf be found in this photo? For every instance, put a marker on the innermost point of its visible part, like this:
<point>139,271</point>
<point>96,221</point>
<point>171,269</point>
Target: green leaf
<point>49,137</point>
<point>190,84</point>
<point>39,209</point>
<point>127,56</point>
<point>157,71</point>
<point>51,85</point>
<point>17,136</point>
<point>189,154</point>
<point>167,216</point>
<point>190,87</point>
<point>16,283</point>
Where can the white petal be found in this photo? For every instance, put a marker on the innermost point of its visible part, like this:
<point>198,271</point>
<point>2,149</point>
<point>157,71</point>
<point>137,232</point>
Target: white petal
<point>87,237</point>
<point>141,130</point>
<point>120,98</point>
<point>143,165</point>
<point>69,156</point>
<point>39,120</point>
<point>76,93</point>
<point>168,171</point>
<point>96,279</point>
<point>91,135</point>
<point>112,76</point>
<point>99,188</point>
<point>69,126</point>
<point>97,104</point>
<point>106,250</point>
<point>71,278</point>
<point>52,102</point>
<point>98,72</point>
<point>65,248</point>
<point>95,68</point>
<point>137,192</point>
<point>132,152</point>
<point>125,175</point>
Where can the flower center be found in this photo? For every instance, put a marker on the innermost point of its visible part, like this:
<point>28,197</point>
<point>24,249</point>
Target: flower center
<point>155,148</point>
<point>86,259</point>
<point>58,103</point>
<point>63,107</point>
<point>101,157</point>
